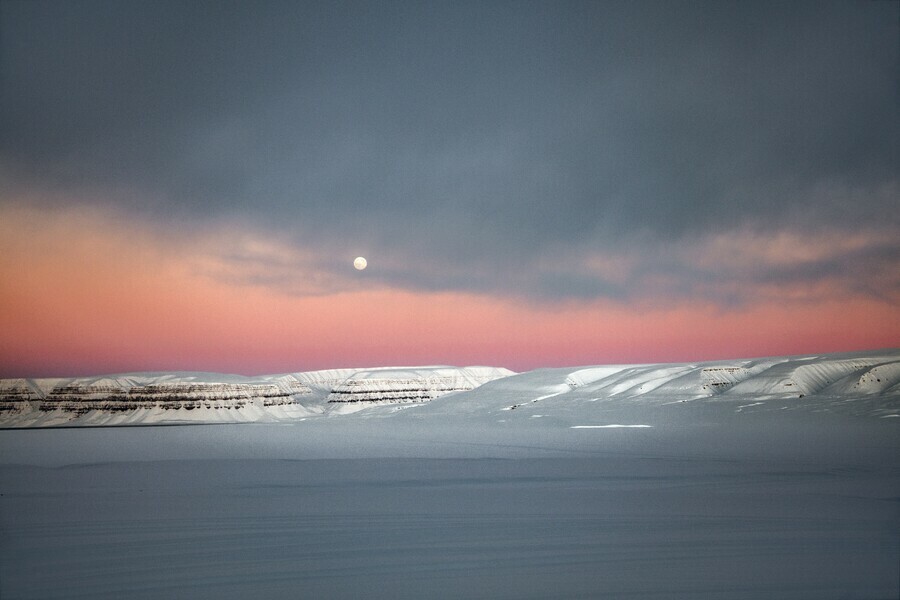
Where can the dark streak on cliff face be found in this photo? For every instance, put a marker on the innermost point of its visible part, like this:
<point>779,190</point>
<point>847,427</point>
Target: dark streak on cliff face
<point>81,399</point>
<point>398,391</point>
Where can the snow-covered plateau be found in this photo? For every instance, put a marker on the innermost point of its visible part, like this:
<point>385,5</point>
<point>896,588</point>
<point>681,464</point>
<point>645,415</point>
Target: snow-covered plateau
<point>736,480</point>
<point>172,398</point>
<point>861,384</point>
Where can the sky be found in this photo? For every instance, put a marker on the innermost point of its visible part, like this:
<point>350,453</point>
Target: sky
<point>185,185</point>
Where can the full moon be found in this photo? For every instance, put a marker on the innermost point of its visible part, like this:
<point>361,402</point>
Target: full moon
<point>360,263</point>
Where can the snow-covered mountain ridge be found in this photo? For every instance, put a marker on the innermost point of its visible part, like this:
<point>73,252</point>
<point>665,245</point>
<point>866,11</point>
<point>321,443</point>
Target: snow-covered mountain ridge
<point>861,384</point>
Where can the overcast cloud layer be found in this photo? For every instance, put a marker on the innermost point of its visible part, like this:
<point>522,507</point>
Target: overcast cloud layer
<point>546,149</point>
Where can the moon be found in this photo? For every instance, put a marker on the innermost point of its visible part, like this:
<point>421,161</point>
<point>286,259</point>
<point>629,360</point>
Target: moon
<point>360,263</point>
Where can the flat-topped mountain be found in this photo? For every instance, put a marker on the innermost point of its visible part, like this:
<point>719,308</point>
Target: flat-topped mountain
<point>861,384</point>
<point>151,398</point>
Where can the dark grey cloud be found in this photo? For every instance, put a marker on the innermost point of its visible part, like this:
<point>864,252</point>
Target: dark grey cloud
<point>467,143</point>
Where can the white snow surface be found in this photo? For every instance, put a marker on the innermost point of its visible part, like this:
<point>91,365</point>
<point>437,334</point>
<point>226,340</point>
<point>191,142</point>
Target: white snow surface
<point>742,479</point>
<point>862,384</point>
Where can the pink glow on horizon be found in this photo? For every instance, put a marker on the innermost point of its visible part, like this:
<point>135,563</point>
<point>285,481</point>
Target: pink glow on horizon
<point>83,296</point>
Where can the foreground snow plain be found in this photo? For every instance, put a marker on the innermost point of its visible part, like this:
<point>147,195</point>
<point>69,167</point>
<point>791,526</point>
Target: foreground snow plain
<point>566,483</point>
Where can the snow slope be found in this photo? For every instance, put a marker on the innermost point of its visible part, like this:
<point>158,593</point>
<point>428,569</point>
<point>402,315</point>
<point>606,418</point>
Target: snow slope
<point>862,385</point>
